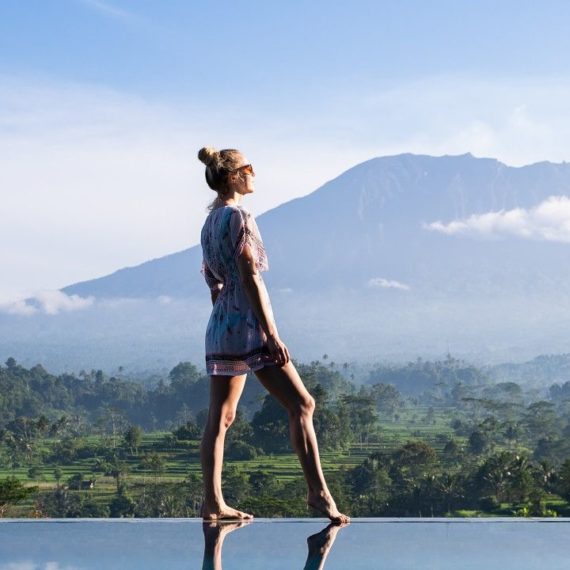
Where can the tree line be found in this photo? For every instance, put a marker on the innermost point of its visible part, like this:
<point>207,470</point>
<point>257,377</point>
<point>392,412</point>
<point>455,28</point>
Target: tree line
<point>463,442</point>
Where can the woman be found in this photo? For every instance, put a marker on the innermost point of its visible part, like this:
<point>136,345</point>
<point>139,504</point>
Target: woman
<point>241,336</point>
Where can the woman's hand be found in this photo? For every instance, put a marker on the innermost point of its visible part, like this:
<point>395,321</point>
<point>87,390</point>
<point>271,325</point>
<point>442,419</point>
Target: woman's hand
<point>278,350</point>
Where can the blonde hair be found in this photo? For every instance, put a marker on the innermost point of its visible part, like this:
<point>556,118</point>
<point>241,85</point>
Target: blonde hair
<point>219,164</point>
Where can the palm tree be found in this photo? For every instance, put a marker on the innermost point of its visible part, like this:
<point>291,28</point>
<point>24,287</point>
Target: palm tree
<point>450,485</point>
<point>495,474</point>
<point>118,470</point>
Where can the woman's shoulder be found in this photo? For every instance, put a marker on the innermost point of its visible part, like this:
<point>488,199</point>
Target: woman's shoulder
<point>235,214</point>
<point>238,210</point>
<point>237,207</point>
<point>225,210</point>
<point>227,207</point>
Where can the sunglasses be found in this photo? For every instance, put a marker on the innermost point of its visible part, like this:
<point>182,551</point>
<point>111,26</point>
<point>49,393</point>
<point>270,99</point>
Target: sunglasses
<point>247,168</point>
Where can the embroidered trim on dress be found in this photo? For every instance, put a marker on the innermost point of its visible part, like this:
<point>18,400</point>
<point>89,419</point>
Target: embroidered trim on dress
<point>235,364</point>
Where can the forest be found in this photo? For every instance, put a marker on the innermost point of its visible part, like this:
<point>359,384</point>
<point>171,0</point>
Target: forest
<point>422,439</point>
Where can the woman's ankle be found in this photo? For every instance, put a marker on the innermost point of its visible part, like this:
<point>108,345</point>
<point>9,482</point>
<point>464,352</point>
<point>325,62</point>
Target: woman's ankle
<point>214,503</point>
<point>321,492</point>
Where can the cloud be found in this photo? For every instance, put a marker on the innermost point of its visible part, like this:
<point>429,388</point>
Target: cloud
<point>56,566</point>
<point>23,565</point>
<point>380,282</point>
<point>119,302</point>
<point>46,302</point>
<point>18,307</point>
<point>548,221</point>
<point>514,119</point>
<point>107,9</point>
<point>54,302</point>
<point>30,565</point>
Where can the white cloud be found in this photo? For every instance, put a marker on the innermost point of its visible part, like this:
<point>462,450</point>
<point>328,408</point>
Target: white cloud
<point>107,8</point>
<point>53,302</point>
<point>118,302</point>
<point>115,181</point>
<point>380,282</point>
<point>23,565</point>
<point>548,221</point>
<point>46,302</point>
<point>17,307</point>
<point>57,566</point>
<point>516,120</point>
<point>30,565</point>
<point>164,299</point>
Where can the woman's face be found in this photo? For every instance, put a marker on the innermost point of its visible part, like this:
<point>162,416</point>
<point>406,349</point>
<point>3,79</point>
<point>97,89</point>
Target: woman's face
<point>242,180</point>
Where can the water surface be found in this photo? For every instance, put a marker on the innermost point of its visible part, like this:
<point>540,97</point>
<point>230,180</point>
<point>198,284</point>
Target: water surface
<point>172,544</point>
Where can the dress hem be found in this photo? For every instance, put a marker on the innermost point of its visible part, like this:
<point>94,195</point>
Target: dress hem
<point>227,367</point>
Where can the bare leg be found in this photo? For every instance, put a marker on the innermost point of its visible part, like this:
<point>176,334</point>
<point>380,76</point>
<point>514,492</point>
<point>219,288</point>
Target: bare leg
<point>225,392</point>
<point>285,384</point>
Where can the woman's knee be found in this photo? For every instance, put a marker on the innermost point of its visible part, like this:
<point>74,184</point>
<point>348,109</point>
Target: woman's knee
<point>303,407</point>
<point>227,419</point>
<point>223,419</point>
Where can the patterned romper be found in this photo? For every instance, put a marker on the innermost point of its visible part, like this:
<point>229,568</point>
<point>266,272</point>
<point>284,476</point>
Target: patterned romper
<point>235,341</point>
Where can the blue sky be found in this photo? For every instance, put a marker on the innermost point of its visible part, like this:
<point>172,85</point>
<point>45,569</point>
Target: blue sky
<point>277,52</point>
<point>104,103</point>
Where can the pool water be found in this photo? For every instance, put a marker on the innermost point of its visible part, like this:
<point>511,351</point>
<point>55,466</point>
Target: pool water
<point>172,544</point>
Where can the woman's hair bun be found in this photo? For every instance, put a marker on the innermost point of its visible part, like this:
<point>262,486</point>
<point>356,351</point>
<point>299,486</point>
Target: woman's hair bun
<point>207,155</point>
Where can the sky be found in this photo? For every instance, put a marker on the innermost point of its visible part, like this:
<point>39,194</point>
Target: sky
<point>105,103</point>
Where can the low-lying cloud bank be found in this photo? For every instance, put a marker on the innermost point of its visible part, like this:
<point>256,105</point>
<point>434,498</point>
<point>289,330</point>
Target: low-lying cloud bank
<point>380,282</point>
<point>46,302</point>
<point>548,221</point>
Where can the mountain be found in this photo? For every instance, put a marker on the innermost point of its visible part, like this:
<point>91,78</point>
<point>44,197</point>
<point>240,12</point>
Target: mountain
<point>369,221</point>
<point>398,257</point>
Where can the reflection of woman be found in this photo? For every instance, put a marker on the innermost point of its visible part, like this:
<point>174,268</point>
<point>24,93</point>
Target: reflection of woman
<point>241,336</point>
<point>214,536</point>
<point>319,544</point>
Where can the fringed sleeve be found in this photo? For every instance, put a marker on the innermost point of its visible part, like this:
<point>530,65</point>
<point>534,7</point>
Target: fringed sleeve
<point>244,231</point>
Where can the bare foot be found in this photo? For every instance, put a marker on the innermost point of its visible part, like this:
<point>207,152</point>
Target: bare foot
<point>222,513</point>
<point>321,542</point>
<point>320,545</point>
<point>324,503</point>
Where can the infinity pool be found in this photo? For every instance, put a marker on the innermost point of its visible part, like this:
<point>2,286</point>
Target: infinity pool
<point>85,544</point>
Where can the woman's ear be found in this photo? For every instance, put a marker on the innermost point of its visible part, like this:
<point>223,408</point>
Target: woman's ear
<point>232,177</point>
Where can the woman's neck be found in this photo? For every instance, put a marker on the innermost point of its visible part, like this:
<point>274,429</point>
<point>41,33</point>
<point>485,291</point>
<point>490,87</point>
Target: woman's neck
<point>233,199</point>
<point>221,203</point>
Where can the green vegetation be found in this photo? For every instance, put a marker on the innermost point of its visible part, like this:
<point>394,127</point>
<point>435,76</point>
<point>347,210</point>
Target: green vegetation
<point>424,439</point>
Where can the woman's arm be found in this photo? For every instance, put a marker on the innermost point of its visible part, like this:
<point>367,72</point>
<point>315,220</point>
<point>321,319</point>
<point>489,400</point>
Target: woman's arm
<point>212,281</point>
<point>251,282</point>
<point>214,294</point>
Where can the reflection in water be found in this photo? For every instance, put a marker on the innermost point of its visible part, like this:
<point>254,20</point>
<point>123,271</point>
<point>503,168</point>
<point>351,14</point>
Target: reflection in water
<point>320,545</point>
<point>214,536</point>
<point>215,533</point>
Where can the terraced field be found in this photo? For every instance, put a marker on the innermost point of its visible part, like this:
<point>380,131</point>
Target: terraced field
<point>181,459</point>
